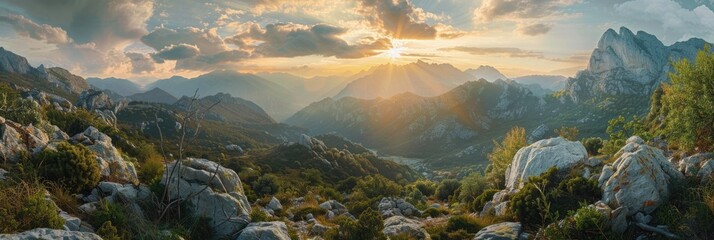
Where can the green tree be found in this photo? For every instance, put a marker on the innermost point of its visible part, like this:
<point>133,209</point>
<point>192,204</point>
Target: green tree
<point>502,156</point>
<point>690,96</point>
<point>447,188</point>
<point>472,186</point>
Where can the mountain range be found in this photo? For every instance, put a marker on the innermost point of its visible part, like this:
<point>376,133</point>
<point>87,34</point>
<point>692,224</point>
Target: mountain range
<point>486,72</point>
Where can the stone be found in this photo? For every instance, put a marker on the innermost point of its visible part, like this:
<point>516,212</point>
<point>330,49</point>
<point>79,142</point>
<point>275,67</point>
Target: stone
<point>501,209</point>
<point>400,225</point>
<point>46,233</point>
<point>265,231</point>
<point>396,207</point>
<point>111,162</point>
<point>690,165</point>
<point>214,191</point>
<point>500,231</point>
<point>318,229</point>
<point>12,142</point>
<point>593,162</point>
<point>537,158</point>
<point>642,218</point>
<point>334,206</point>
<point>705,172</point>
<point>2,174</point>
<point>628,187</point>
<point>234,148</point>
<point>275,205</point>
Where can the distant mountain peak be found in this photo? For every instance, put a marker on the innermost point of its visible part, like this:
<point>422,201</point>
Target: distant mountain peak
<point>486,72</point>
<point>155,95</point>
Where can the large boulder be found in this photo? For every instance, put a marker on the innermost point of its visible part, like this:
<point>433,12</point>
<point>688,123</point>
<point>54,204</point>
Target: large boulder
<point>265,231</point>
<point>46,233</point>
<point>397,207</point>
<point>16,139</point>
<point>501,231</point>
<point>400,225</point>
<point>214,191</point>
<point>639,179</point>
<point>691,165</point>
<point>111,162</point>
<point>542,155</point>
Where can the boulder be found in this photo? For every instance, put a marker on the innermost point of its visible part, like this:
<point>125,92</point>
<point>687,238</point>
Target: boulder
<point>396,207</point>
<point>706,171</point>
<point>334,206</point>
<point>214,192</point>
<point>542,155</point>
<point>400,225</point>
<point>46,233</point>
<point>275,205</point>
<point>691,165</point>
<point>319,229</point>
<point>615,219</point>
<point>265,231</point>
<point>111,162</point>
<point>2,174</point>
<point>501,231</point>
<point>95,100</point>
<point>639,179</point>
<point>12,145</point>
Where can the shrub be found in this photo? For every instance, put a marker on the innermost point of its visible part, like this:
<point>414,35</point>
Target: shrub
<point>108,232</point>
<point>569,133</point>
<point>426,187</point>
<point>18,109</point>
<point>377,186</point>
<point>433,212</point>
<point>28,210</point>
<point>301,212</point>
<point>502,155</point>
<point>472,186</point>
<point>593,145</point>
<point>585,223</point>
<point>151,169</point>
<point>267,184</point>
<point>72,166</point>
<point>480,201</point>
<point>463,222</point>
<point>447,188</point>
<point>258,215</point>
<point>369,226</point>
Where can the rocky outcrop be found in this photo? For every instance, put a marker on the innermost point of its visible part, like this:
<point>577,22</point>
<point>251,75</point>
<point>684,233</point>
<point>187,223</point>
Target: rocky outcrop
<point>65,80</point>
<point>111,162</point>
<point>400,225</point>
<point>214,191</point>
<point>101,103</point>
<point>16,139</point>
<point>334,208</point>
<point>46,233</point>
<point>615,219</point>
<point>389,207</point>
<point>625,63</point>
<point>501,231</point>
<point>538,133</point>
<point>265,231</point>
<point>311,143</point>
<point>639,179</point>
<point>691,165</point>
<point>11,62</point>
<point>48,99</point>
<point>542,155</point>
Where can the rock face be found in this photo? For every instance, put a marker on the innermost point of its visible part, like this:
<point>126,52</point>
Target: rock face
<point>389,207</point>
<point>46,233</point>
<point>48,99</point>
<point>542,155</point>
<point>102,104</point>
<point>110,160</point>
<point>501,231</point>
<point>219,196</point>
<point>639,179</point>
<point>628,63</point>
<point>400,225</point>
<point>10,62</point>
<point>16,139</point>
<point>265,231</point>
<point>66,80</point>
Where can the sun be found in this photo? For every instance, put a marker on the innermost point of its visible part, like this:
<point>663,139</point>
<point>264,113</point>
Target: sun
<point>394,52</point>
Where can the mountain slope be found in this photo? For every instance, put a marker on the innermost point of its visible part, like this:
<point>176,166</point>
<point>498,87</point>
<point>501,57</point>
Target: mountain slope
<point>155,95</point>
<point>552,82</point>
<point>420,78</point>
<point>120,86</point>
<point>309,90</point>
<point>444,126</point>
<point>277,101</point>
<point>486,72</point>
<point>228,109</point>
<point>16,71</point>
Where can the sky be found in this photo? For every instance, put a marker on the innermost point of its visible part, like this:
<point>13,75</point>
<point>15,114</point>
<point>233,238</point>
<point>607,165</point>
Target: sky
<point>145,40</point>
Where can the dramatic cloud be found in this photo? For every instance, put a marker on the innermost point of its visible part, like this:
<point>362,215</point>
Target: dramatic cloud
<point>519,9</point>
<point>292,40</point>
<point>509,52</point>
<point>669,19</point>
<point>397,18</point>
<point>213,61</point>
<point>25,27</point>
<point>206,40</point>
<point>176,52</point>
<point>533,29</point>
<point>141,63</point>
<point>107,24</point>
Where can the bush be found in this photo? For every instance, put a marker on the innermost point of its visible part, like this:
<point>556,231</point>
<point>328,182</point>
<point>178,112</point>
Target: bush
<point>447,188</point>
<point>585,223</point>
<point>108,232</point>
<point>24,207</point>
<point>369,226</point>
<point>593,145</point>
<point>480,201</point>
<point>472,186</point>
<point>426,187</point>
<point>433,212</point>
<point>463,222</point>
<point>72,166</point>
<point>377,186</point>
<point>301,212</point>
<point>18,109</point>
<point>502,155</point>
<point>267,185</point>
<point>151,169</point>
<point>569,133</point>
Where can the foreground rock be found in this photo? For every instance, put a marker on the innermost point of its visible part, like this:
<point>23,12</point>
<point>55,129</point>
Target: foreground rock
<point>397,207</point>
<point>111,162</point>
<point>542,155</point>
<point>639,179</point>
<point>218,196</point>
<point>265,231</point>
<point>400,225</point>
<point>501,231</point>
<point>692,166</point>
<point>46,233</point>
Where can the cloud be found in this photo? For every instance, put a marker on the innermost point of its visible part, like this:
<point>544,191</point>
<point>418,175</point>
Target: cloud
<point>141,63</point>
<point>509,52</point>
<point>107,24</point>
<point>519,9</point>
<point>213,61</point>
<point>533,29</point>
<point>25,27</point>
<point>292,40</point>
<point>668,19</point>
<point>397,18</point>
<point>176,52</point>
<point>206,40</point>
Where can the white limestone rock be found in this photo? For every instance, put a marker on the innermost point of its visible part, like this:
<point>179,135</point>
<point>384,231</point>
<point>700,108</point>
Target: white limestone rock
<point>265,231</point>
<point>501,231</point>
<point>400,225</point>
<point>46,233</point>
<point>537,158</point>
<point>111,162</point>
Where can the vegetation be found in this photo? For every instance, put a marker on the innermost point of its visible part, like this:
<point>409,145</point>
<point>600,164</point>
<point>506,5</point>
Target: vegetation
<point>447,189</point>
<point>569,133</point>
<point>368,226</point>
<point>72,166</point>
<point>593,145</point>
<point>502,155</point>
<point>23,207</point>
